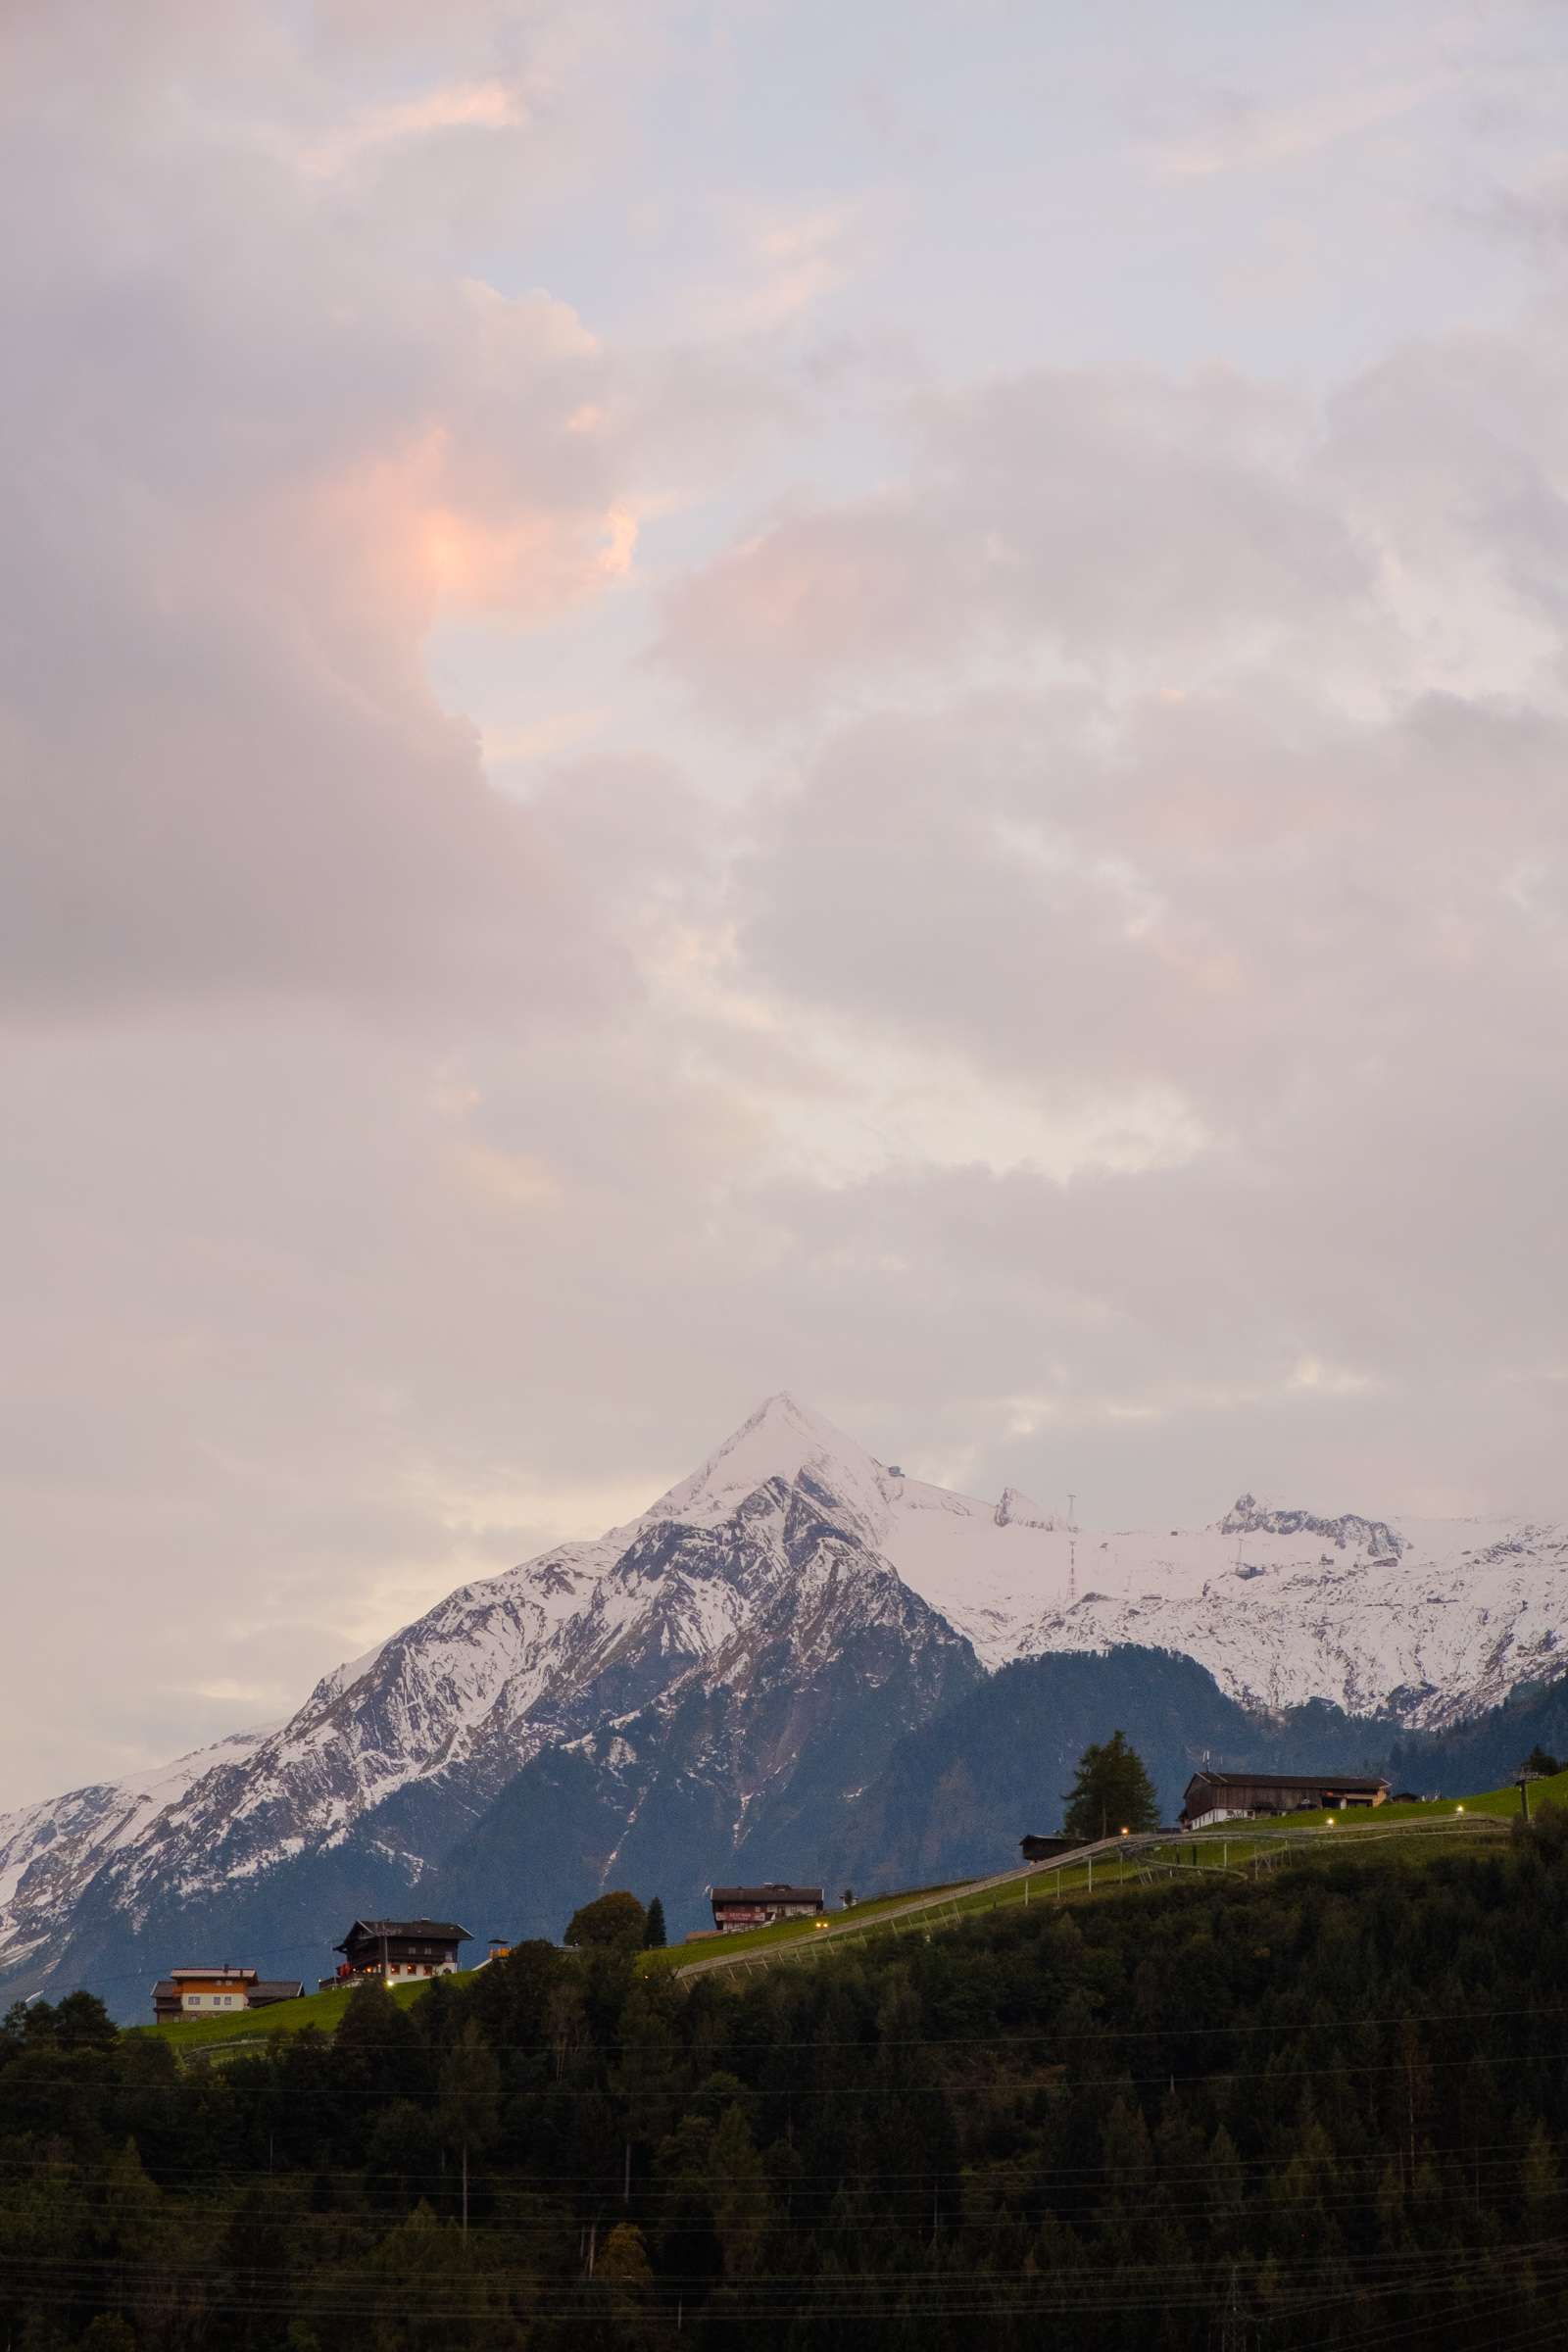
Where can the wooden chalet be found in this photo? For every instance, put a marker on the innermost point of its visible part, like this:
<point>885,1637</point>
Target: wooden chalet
<point>400,1949</point>
<point>1046,1849</point>
<point>1216,1796</point>
<point>739,1907</point>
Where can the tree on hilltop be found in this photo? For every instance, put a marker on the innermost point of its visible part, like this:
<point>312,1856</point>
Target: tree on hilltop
<point>655,1935</point>
<point>614,1921</point>
<point>1112,1791</point>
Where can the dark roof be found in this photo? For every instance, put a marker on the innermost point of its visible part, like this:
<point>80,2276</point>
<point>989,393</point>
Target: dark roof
<point>277,1988</point>
<point>164,1990</point>
<point>1287,1780</point>
<point>771,1893</point>
<point>420,1931</point>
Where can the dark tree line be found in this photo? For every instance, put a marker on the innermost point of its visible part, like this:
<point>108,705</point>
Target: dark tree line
<point>1326,2109</point>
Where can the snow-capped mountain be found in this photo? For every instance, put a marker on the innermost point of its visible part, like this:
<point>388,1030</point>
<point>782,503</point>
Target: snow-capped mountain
<point>696,1687</point>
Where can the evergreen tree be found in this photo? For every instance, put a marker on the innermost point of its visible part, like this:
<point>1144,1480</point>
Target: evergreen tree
<point>653,1935</point>
<point>1541,1760</point>
<point>469,2109</point>
<point>1112,1791</point>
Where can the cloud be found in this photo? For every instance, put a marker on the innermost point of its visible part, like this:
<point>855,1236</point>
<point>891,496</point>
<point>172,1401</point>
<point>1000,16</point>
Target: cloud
<point>1067,514</point>
<point>1242,132</point>
<point>461,106</point>
<point>1057,956</point>
<point>253,463</point>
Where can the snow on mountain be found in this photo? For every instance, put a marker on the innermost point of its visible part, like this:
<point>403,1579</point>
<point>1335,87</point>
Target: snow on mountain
<point>49,1851</point>
<point>714,1629</point>
<point>1428,1619</point>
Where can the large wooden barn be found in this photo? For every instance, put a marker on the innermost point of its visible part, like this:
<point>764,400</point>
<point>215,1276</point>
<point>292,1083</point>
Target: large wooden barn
<point>1213,1796</point>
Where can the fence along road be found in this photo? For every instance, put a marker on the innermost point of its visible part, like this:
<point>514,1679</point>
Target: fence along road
<point>795,1947</point>
<point>1160,1850</point>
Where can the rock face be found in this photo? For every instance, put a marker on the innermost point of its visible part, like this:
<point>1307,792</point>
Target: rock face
<point>1374,1537</point>
<point>1017,1511</point>
<point>705,1691</point>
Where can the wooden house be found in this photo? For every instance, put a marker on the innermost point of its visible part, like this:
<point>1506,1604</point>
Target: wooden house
<point>1216,1796</point>
<point>739,1907</point>
<point>1047,1849</point>
<point>400,1949</point>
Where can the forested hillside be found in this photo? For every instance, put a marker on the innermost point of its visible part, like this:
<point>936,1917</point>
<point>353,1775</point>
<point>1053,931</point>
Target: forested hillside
<point>1325,2108</point>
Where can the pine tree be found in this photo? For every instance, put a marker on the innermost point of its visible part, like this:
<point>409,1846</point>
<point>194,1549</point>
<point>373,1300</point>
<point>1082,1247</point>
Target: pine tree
<point>469,2106</point>
<point>1112,1791</point>
<point>653,1935</point>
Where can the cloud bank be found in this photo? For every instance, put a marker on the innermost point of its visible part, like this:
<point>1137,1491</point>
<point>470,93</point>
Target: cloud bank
<point>1017,892</point>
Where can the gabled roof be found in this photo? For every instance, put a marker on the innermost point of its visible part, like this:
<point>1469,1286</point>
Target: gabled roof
<point>277,1988</point>
<point>217,1976</point>
<point>767,1895</point>
<point>1287,1780</point>
<point>418,1931</point>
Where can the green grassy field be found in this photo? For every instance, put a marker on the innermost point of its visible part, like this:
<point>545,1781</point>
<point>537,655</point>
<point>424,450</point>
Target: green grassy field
<point>1228,1848</point>
<point>319,2009</point>
<point>791,1930</point>
<point>1372,1835</point>
<point>1504,1802</point>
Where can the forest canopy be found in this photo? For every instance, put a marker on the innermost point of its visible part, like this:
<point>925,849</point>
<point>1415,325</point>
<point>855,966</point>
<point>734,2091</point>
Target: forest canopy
<point>1274,2113</point>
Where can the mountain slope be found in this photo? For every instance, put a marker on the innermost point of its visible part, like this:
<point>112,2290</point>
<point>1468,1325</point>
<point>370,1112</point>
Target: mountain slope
<point>707,1689</point>
<point>957,1793</point>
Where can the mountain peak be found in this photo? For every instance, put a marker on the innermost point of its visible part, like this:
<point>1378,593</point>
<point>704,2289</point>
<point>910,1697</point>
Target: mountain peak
<point>783,1439</point>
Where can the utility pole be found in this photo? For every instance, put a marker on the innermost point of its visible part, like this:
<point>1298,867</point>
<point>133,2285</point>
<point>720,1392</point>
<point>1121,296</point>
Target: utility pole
<point>1234,2331</point>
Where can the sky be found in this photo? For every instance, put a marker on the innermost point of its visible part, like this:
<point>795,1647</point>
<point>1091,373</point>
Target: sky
<point>703,696</point>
